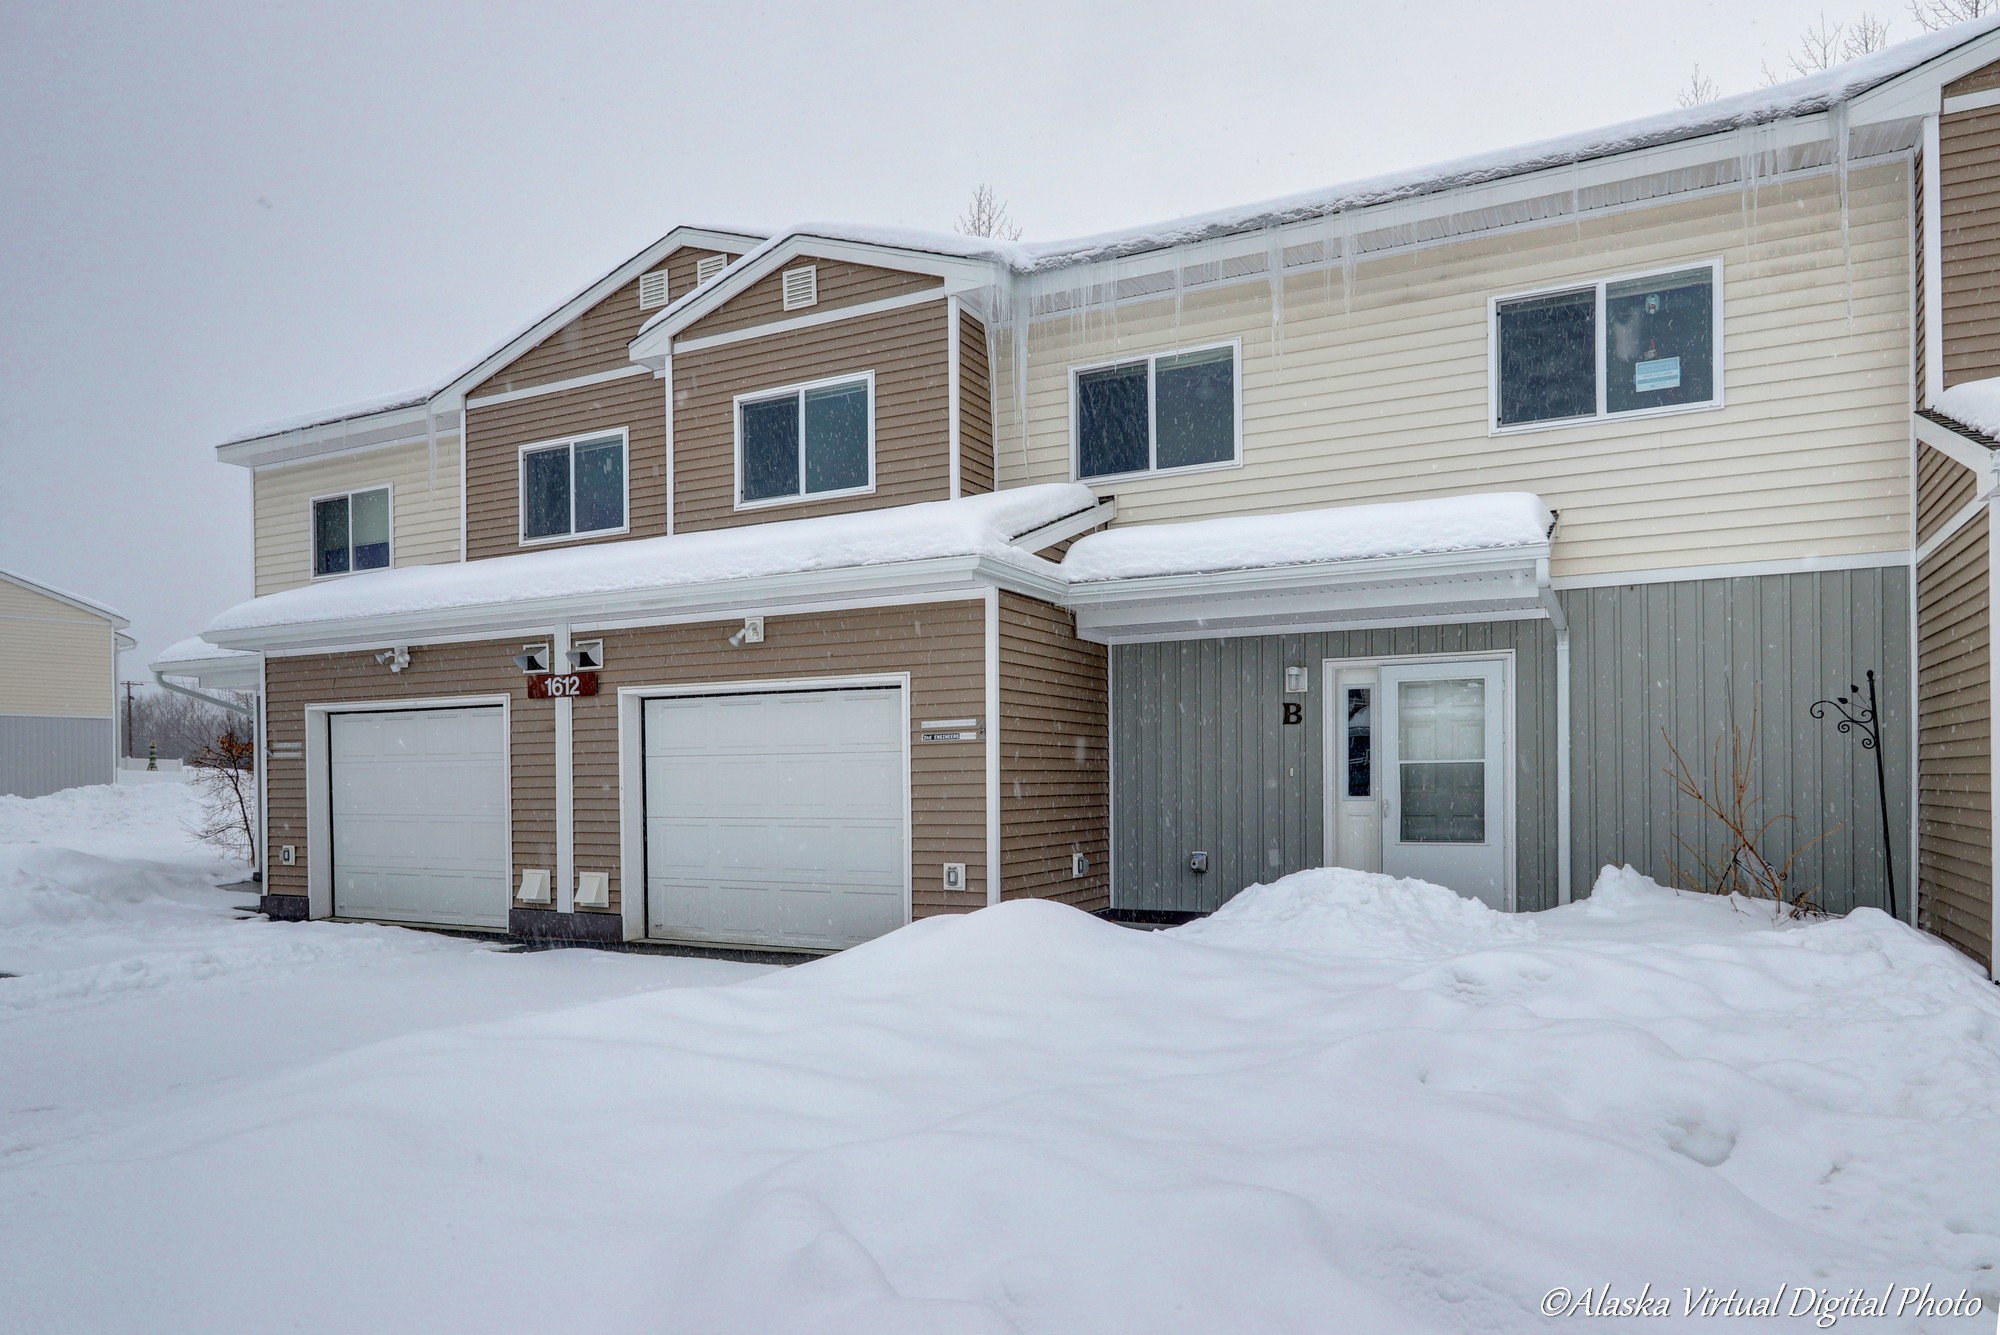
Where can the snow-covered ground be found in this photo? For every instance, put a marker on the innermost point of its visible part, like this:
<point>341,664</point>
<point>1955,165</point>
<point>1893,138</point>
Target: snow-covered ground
<point>1342,1104</point>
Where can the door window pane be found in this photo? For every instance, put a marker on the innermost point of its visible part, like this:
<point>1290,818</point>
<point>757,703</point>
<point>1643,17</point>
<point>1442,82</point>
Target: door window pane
<point>1360,743</point>
<point>1659,341</point>
<point>600,485</point>
<point>545,493</point>
<point>1548,357</point>
<point>770,431</point>
<point>837,437</point>
<point>1195,408</point>
<point>1111,428</point>
<point>369,515</point>
<point>330,536</point>
<point>1441,754</point>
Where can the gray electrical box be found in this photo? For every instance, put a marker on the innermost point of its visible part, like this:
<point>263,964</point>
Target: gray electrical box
<point>1197,862</point>
<point>954,876</point>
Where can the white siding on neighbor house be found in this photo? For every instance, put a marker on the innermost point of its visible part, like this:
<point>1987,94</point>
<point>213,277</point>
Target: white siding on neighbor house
<point>423,503</point>
<point>56,660</point>
<point>1381,394</point>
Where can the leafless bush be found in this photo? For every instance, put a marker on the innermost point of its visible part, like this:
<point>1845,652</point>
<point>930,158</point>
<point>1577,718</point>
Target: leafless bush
<point>1699,89</point>
<point>225,776</point>
<point>987,216</point>
<point>1737,862</point>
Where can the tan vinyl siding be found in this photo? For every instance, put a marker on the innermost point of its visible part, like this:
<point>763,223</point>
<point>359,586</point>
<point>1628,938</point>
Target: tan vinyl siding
<point>1981,79</point>
<point>1943,487</point>
<point>940,645</point>
<point>1969,230</point>
<point>423,503</point>
<point>1954,741</point>
<point>293,682</point>
<point>596,340</point>
<point>906,349</point>
<point>840,284</point>
<point>975,409</point>
<point>1055,779</point>
<point>498,431</point>
<point>56,660</point>
<point>1381,394</point>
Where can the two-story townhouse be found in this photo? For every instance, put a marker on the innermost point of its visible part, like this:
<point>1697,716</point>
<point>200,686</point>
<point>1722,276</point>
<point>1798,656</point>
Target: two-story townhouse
<point>1447,506</point>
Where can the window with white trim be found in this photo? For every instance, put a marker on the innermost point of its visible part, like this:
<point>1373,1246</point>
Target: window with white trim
<point>575,487</point>
<point>351,532</point>
<point>1606,349</point>
<point>1157,414</point>
<point>809,440</point>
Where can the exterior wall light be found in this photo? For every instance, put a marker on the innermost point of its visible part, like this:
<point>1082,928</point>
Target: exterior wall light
<point>752,633</point>
<point>586,656</point>
<point>532,658</point>
<point>395,659</point>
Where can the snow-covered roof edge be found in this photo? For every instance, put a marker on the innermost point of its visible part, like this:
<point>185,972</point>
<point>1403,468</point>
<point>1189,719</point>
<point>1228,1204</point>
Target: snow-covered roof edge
<point>76,600</point>
<point>193,650</point>
<point>414,398</point>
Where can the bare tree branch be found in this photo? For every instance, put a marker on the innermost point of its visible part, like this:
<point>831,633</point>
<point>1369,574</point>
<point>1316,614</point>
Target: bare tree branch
<point>987,216</point>
<point>1700,88</point>
<point>225,775</point>
<point>1932,15</point>
<point>1864,35</point>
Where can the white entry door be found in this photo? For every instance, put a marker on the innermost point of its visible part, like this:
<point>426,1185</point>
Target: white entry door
<point>1444,772</point>
<point>419,811</point>
<point>776,819</point>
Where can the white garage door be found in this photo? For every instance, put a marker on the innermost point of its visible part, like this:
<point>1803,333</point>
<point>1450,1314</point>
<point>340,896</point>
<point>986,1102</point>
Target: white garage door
<point>776,819</point>
<point>419,816</point>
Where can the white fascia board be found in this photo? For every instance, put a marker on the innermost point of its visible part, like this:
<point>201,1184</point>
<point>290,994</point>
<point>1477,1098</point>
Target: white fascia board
<point>1916,92</point>
<point>1453,586</point>
<point>725,598</point>
<point>1983,462</point>
<point>1069,526</point>
<point>655,339</point>
<point>230,674</point>
<point>397,426</point>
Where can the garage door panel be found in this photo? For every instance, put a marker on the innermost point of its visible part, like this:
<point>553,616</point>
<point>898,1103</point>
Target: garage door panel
<point>776,819</point>
<point>418,802</point>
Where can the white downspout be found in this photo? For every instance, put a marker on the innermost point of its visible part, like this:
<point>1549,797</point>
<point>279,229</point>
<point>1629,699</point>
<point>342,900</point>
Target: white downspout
<point>1552,604</point>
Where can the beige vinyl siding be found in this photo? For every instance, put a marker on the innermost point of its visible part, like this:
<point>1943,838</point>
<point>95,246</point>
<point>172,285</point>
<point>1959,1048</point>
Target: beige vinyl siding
<point>907,351</point>
<point>1055,777</point>
<point>940,645</point>
<point>292,682</point>
<point>1943,487</point>
<point>975,409</point>
<point>56,660</point>
<point>1381,393</point>
<point>1954,741</point>
<point>423,503</point>
<point>498,431</point>
<point>1979,81</point>
<point>1969,232</point>
<point>839,284</point>
<point>596,340</point>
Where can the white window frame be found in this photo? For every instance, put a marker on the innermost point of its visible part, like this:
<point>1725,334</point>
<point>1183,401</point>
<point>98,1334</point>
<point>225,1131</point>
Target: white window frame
<point>1712,263</point>
<point>312,528</point>
<point>1152,359</point>
<point>798,391</point>
<point>571,442</point>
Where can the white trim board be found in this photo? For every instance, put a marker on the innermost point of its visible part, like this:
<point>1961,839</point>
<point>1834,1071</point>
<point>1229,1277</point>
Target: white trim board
<point>1802,565</point>
<point>558,386</point>
<point>794,323</point>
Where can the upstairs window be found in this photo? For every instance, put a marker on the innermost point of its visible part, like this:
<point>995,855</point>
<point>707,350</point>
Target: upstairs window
<point>809,440</point>
<point>572,488</point>
<point>351,532</point>
<point>1612,348</point>
<point>1157,414</point>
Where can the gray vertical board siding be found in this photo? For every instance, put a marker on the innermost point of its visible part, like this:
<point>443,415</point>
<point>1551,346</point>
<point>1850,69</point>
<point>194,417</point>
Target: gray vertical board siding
<point>1203,761</point>
<point>45,755</point>
<point>1651,662</point>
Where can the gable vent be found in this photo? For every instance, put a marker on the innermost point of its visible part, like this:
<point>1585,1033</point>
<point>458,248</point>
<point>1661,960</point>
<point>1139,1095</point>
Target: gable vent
<point>802,287</point>
<point>653,290</point>
<point>708,266</point>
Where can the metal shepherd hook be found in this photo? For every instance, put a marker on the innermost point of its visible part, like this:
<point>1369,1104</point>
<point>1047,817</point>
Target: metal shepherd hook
<point>1865,725</point>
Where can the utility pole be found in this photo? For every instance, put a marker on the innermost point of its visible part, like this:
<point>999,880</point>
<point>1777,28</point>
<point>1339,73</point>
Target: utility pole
<point>129,753</point>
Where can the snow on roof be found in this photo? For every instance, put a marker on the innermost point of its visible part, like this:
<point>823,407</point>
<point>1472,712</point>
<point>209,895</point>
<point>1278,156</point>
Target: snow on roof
<point>973,526</point>
<point>1976,404</point>
<point>1485,522</point>
<point>195,649</point>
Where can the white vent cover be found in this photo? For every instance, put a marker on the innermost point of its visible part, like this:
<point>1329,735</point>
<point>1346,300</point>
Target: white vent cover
<point>534,886</point>
<point>593,890</point>
<point>708,266</point>
<point>653,290</point>
<point>802,287</point>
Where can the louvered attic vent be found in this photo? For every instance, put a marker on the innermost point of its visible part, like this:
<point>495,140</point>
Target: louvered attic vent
<point>708,266</point>
<point>653,290</point>
<point>802,287</point>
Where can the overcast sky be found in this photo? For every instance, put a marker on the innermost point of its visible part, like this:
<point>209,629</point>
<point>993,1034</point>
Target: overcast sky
<point>213,215</point>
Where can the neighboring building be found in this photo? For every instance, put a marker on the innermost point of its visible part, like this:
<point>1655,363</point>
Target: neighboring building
<point>1446,505</point>
<point>58,689</point>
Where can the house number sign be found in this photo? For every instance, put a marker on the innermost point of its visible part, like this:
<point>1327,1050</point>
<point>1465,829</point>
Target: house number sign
<point>561,685</point>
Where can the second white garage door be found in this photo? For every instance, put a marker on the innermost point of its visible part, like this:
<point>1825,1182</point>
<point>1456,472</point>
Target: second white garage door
<point>419,809</point>
<point>776,819</point>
